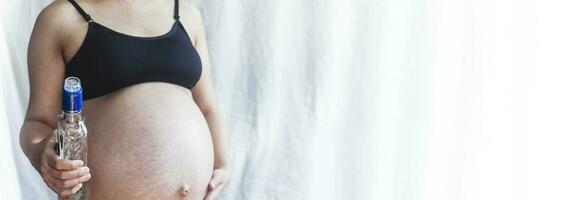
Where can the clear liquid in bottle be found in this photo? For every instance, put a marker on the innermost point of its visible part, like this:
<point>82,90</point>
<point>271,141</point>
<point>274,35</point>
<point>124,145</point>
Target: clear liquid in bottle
<point>72,130</point>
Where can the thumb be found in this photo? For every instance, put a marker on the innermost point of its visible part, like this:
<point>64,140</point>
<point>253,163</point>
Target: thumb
<point>216,179</point>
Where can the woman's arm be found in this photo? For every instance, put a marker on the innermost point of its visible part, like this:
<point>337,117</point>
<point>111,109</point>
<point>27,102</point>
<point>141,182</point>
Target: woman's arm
<point>204,96</point>
<point>46,70</point>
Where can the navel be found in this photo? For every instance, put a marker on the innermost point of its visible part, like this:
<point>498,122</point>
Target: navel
<point>184,190</point>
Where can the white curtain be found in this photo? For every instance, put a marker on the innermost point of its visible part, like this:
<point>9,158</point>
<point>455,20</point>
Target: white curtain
<point>363,99</point>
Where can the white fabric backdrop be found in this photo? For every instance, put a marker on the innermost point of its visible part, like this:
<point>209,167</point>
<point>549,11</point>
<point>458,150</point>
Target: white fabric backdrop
<point>363,99</point>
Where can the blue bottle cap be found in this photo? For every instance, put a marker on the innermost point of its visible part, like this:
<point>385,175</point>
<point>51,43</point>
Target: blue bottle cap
<point>72,95</point>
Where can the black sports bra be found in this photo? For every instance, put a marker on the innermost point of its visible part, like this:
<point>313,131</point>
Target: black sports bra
<point>108,60</point>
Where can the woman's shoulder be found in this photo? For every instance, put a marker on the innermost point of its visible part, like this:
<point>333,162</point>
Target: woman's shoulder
<point>58,17</point>
<point>59,12</point>
<point>191,16</point>
<point>191,11</point>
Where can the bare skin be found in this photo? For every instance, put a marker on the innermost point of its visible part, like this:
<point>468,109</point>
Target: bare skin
<point>147,141</point>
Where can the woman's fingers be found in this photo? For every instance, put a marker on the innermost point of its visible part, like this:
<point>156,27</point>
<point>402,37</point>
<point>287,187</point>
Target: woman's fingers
<point>214,193</point>
<point>73,182</point>
<point>63,185</point>
<point>217,184</point>
<point>70,191</point>
<point>69,174</point>
<point>59,185</point>
<point>62,178</point>
<point>65,177</point>
<point>216,179</point>
<point>60,164</point>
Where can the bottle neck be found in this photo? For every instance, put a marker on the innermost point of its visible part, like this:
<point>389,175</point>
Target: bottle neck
<point>72,117</point>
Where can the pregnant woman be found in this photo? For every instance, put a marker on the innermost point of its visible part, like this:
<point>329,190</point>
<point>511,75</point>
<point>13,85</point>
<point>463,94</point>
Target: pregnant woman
<point>155,131</point>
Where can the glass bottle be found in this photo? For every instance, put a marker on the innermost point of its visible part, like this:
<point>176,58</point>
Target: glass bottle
<point>72,130</point>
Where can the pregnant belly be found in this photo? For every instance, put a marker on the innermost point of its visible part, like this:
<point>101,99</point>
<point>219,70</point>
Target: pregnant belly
<point>148,141</point>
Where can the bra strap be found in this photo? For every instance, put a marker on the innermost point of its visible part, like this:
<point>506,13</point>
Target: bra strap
<point>81,11</point>
<point>176,10</point>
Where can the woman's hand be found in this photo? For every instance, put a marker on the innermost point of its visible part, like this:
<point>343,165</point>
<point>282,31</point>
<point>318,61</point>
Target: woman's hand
<point>65,177</point>
<point>219,179</point>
